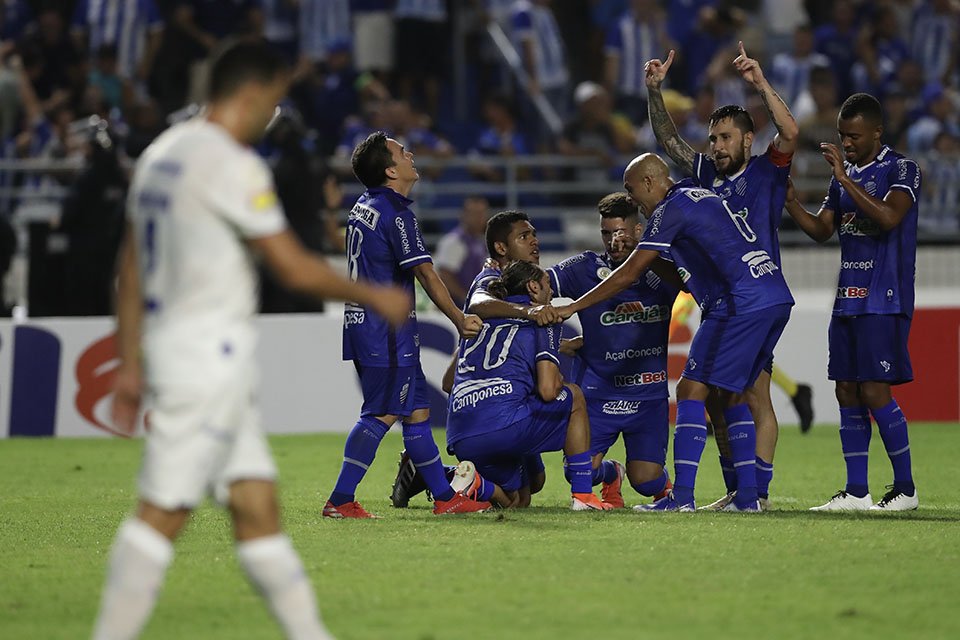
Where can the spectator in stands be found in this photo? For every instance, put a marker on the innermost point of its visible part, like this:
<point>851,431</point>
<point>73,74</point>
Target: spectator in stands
<point>104,75</point>
<point>357,128</point>
<point>15,17</point>
<point>501,137</point>
<point>50,58</point>
<point>682,111</point>
<point>280,27</point>
<point>896,120</point>
<point>322,25</point>
<point>640,34</point>
<point>411,128</point>
<point>536,36</point>
<point>133,29</point>
<point>934,40</point>
<point>145,123</point>
<point>422,50</point>
<point>790,72</point>
<point>820,125</point>
<point>683,20</point>
<point>373,36</point>
<point>941,174</point>
<point>940,116</point>
<point>836,41</point>
<point>461,252</point>
<point>708,53</point>
<point>881,50</point>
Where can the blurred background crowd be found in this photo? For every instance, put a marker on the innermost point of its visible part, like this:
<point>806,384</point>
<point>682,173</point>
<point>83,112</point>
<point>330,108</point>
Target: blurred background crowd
<point>506,103</point>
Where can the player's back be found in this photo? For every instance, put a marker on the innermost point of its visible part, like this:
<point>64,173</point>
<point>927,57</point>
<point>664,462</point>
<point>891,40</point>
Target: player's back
<point>495,377</point>
<point>196,194</point>
<point>731,272</point>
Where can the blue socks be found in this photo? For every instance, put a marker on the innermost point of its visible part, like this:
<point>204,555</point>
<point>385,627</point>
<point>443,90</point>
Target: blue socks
<point>764,477</point>
<point>742,435</point>
<point>418,440</point>
<point>358,455</point>
<point>892,425</point>
<point>486,490</point>
<point>855,442</point>
<point>689,439</point>
<point>729,474</point>
<point>606,472</point>
<point>652,487</point>
<point>579,471</point>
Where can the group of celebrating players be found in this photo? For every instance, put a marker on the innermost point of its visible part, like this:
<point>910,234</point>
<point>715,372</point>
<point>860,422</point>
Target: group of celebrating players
<point>201,203</point>
<point>714,235</point>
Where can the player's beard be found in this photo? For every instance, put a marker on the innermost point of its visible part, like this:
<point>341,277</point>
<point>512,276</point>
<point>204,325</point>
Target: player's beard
<point>734,164</point>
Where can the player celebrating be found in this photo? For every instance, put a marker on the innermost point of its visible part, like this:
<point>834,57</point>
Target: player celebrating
<point>509,399</point>
<point>745,303</point>
<point>384,245</point>
<point>754,188</point>
<point>873,204</point>
<point>200,200</point>
<point>621,358</point>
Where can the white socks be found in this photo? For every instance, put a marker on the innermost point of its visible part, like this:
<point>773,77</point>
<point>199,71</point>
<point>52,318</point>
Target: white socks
<point>138,564</point>
<point>275,569</point>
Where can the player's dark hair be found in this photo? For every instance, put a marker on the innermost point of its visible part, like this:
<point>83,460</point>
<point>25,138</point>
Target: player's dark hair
<point>499,226</point>
<point>238,62</point>
<point>514,278</point>
<point>617,205</point>
<point>741,118</point>
<point>371,159</point>
<point>863,105</point>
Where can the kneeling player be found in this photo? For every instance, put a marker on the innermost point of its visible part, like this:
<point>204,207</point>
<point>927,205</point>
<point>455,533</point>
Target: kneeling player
<point>509,399</point>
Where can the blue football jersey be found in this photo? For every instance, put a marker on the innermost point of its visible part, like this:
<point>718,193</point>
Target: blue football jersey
<point>496,375</point>
<point>383,244</point>
<point>757,192</point>
<point>624,353</point>
<point>480,283</point>
<point>877,268</point>
<point>732,272</point>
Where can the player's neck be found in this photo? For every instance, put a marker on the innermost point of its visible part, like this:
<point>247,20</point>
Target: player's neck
<point>401,187</point>
<point>229,118</point>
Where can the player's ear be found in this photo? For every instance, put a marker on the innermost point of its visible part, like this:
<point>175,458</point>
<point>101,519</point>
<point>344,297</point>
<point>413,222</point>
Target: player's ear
<point>500,248</point>
<point>391,173</point>
<point>748,140</point>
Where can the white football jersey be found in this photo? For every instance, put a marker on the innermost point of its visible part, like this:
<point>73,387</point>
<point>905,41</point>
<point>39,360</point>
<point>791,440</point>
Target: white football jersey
<point>196,195</point>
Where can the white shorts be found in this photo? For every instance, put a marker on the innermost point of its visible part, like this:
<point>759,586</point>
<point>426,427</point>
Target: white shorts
<point>201,440</point>
<point>373,41</point>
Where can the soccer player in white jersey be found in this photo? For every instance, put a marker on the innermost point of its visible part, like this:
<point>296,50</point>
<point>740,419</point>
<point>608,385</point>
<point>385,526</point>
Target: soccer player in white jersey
<point>201,202</point>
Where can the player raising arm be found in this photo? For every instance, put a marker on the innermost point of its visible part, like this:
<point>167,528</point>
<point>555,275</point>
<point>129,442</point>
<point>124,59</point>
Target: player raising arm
<point>873,203</point>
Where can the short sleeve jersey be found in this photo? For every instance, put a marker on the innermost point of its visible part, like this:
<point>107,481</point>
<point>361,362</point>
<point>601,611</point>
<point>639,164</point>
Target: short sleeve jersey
<point>196,196</point>
<point>496,375</point>
<point>732,273</point>
<point>877,267</point>
<point>383,245</point>
<point>480,283</point>
<point>757,193</point>
<point>624,353</point>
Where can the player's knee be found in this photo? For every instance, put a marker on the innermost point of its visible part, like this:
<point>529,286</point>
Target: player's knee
<point>848,394</point>
<point>537,481</point>
<point>167,522</point>
<point>579,402</point>
<point>640,472</point>
<point>688,389</point>
<point>875,394</point>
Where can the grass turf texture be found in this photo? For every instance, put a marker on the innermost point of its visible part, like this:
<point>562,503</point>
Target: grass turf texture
<point>542,573</point>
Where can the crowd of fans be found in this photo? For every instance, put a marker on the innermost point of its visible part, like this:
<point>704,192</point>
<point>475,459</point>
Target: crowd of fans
<point>123,70</point>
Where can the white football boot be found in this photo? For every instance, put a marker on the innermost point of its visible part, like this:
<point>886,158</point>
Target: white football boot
<point>896,500</point>
<point>843,501</point>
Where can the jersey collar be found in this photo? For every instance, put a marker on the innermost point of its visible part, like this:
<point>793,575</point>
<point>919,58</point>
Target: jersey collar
<point>376,191</point>
<point>884,150</point>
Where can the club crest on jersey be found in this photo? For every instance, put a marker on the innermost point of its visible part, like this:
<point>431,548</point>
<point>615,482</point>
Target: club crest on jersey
<point>851,225</point>
<point>629,312</point>
<point>621,407</point>
<point>604,272</point>
<point>760,263</point>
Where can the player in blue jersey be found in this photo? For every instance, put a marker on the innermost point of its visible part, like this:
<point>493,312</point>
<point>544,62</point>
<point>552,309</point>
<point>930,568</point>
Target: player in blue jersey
<point>755,188</point>
<point>384,245</point>
<point>509,399</point>
<point>509,236</point>
<point>873,204</point>
<point>745,304</point>
<point>620,360</point>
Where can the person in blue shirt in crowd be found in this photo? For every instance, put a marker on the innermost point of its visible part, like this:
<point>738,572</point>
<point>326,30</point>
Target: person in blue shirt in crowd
<point>620,360</point>
<point>745,306</point>
<point>872,203</point>
<point>509,399</point>
<point>384,245</point>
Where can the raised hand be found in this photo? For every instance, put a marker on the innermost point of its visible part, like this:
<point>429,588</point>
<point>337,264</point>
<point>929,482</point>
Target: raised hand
<point>622,242</point>
<point>393,303</point>
<point>471,326</point>
<point>655,71</point>
<point>748,68</point>
<point>831,153</point>
<point>544,314</point>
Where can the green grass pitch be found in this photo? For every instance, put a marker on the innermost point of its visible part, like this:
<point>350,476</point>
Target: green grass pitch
<point>543,573</point>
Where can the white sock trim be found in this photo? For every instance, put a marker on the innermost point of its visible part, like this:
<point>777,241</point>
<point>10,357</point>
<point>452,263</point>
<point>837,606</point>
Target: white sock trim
<point>148,540</point>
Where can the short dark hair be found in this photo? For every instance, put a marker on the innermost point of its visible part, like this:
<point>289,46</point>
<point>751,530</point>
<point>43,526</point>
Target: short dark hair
<point>241,61</point>
<point>514,278</point>
<point>864,105</point>
<point>499,226</point>
<point>370,159</point>
<point>740,116</point>
<point>617,205</point>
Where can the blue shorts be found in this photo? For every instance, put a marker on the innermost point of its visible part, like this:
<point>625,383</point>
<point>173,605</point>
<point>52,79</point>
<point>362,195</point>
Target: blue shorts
<point>392,391</point>
<point>499,455</point>
<point>730,351</point>
<point>869,348</point>
<point>645,425</point>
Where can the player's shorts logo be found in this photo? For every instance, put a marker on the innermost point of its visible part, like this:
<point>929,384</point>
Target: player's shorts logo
<point>629,312</point>
<point>760,263</point>
<point>885,365</point>
<point>621,407</point>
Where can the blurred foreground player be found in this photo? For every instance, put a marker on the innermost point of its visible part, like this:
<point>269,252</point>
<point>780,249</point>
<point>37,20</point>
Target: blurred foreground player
<point>201,202</point>
<point>873,204</point>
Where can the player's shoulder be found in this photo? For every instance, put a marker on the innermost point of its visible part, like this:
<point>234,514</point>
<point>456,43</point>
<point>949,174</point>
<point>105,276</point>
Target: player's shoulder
<point>578,261</point>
